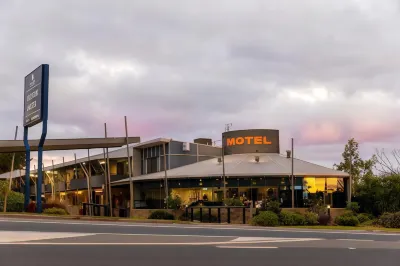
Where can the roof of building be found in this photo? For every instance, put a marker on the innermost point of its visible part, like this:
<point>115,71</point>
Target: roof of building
<point>15,173</point>
<point>7,146</point>
<point>115,154</point>
<point>244,165</point>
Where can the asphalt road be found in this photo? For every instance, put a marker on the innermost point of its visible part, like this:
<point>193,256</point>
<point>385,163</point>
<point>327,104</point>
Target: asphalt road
<point>44,242</point>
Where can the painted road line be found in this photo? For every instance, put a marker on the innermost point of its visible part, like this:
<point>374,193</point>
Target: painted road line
<point>361,240</point>
<point>23,236</point>
<point>273,239</point>
<point>246,247</point>
<point>212,227</point>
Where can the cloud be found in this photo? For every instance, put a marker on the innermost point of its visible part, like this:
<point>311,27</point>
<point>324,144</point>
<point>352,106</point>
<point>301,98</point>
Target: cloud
<point>320,71</point>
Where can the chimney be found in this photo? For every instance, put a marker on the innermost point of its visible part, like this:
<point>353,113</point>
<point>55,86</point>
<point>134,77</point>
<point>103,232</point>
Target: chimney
<point>288,154</point>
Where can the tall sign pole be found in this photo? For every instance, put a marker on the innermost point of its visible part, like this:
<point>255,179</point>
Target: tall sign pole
<point>36,101</point>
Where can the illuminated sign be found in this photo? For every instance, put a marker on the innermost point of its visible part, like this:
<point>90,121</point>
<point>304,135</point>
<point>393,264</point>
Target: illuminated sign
<point>256,140</point>
<point>251,141</point>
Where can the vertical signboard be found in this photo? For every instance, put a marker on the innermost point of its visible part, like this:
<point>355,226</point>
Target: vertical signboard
<point>33,97</point>
<point>36,100</point>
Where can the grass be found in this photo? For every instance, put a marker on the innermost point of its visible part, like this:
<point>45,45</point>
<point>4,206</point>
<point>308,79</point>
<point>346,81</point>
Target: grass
<point>338,227</point>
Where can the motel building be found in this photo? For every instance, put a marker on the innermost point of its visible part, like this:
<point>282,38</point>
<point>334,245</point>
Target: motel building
<point>250,161</point>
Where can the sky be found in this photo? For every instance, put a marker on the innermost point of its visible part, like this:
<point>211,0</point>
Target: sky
<point>321,71</point>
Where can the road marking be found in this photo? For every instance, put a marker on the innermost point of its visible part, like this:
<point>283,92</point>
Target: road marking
<point>363,240</point>
<point>212,227</point>
<point>241,247</point>
<point>272,239</point>
<point>352,248</point>
<point>22,236</point>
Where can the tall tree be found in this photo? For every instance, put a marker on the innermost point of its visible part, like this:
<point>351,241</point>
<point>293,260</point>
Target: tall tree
<point>5,161</point>
<point>353,164</point>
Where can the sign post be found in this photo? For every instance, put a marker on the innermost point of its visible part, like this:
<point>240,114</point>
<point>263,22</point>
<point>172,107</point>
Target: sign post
<point>36,101</point>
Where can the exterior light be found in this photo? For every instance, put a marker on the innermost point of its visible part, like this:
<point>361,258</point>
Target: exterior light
<point>329,206</point>
<point>102,162</point>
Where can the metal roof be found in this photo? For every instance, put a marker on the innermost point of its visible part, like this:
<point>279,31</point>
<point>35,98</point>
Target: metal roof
<point>152,143</point>
<point>116,154</point>
<point>244,165</point>
<point>8,146</point>
<point>15,173</point>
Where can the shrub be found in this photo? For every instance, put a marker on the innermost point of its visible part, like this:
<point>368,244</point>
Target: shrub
<point>205,216</point>
<point>31,207</point>
<point>311,218</point>
<point>266,218</point>
<point>347,220</point>
<point>183,217</point>
<point>323,219</point>
<point>291,218</point>
<point>174,203</point>
<point>54,204</point>
<point>233,202</point>
<point>55,211</point>
<point>363,217</point>
<point>161,215</point>
<point>15,202</point>
<point>353,206</point>
<point>390,220</point>
<point>274,206</point>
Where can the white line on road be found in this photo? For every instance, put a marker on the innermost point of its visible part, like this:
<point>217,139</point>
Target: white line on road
<point>363,240</point>
<point>210,227</point>
<point>242,247</point>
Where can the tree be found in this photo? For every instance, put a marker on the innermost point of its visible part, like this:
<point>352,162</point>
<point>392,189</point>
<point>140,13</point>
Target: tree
<point>388,165</point>
<point>5,161</point>
<point>353,164</point>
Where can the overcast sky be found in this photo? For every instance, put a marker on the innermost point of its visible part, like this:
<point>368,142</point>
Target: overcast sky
<point>319,71</point>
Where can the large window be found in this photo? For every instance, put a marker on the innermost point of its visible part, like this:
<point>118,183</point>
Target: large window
<point>331,190</point>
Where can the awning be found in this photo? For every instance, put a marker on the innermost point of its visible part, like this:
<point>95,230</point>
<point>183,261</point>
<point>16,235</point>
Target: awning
<point>7,146</point>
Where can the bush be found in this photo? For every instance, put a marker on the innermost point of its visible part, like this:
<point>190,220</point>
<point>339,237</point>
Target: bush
<point>363,217</point>
<point>55,211</point>
<point>233,202</point>
<point>353,206</point>
<point>291,218</point>
<point>347,220</point>
<point>54,204</point>
<point>161,215</point>
<point>390,220</point>
<point>184,218</point>
<point>15,202</point>
<point>205,217</point>
<point>31,207</point>
<point>174,203</point>
<point>323,219</point>
<point>274,206</point>
<point>266,218</point>
<point>311,218</point>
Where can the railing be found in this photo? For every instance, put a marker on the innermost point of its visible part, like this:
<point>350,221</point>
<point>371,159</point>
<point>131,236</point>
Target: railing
<point>91,209</point>
<point>228,208</point>
<point>95,209</point>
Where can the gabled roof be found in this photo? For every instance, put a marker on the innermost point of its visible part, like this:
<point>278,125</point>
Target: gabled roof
<point>244,165</point>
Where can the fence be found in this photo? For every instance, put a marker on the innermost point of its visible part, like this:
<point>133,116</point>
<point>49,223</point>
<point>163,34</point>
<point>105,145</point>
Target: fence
<point>218,208</point>
<point>103,210</point>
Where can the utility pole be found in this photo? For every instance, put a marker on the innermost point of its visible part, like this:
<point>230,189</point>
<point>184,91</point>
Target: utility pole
<point>129,170</point>
<point>108,174</point>
<point>11,174</point>
<point>292,174</point>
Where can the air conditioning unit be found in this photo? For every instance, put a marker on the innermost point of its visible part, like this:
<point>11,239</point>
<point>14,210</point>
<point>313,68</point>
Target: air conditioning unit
<point>186,146</point>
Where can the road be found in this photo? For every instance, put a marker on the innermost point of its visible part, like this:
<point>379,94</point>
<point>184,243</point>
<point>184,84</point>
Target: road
<point>55,242</point>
